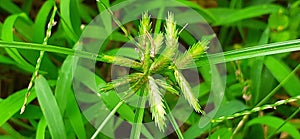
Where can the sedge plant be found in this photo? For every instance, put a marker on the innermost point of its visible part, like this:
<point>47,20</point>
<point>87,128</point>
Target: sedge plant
<point>155,57</point>
<point>159,54</point>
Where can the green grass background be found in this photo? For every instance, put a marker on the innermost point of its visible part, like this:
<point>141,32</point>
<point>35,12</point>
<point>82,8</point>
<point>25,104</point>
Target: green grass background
<point>259,39</point>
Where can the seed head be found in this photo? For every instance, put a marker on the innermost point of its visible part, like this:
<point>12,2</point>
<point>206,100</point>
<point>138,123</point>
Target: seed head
<point>171,31</point>
<point>187,91</point>
<point>157,107</point>
<point>158,42</point>
<point>193,53</point>
<point>198,49</point>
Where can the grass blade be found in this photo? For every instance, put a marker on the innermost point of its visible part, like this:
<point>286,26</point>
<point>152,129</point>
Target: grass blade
<point>288,119</point>
<point>9,6</point>
<point>138,119</point>
<point>41,128</point>
<point>280,71</point>
<point>245,53</point>
<point>50,108</point>
<point>41,21</point>
<point>64,83</point>
<point>173,121</point>
<point>107,119</point>
<point>66,14</point>
<point>250,52</point>
<point>74,115</point>
<point>275,122</point>
<point>12,104</point>
<point>56,49</point>
<point>7,35</point>
<point>257,71</point>
<point>225,15</point>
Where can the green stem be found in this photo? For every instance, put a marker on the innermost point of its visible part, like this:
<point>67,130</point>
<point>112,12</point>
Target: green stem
<point>257,106</point>
<point>249,52</point>
<point>256,109</point>
<point>245,53</point>
<point>278,87</point>
<point>131,91</point>
<point>127,34</point>
<point>289,118</point>
<point>39,60</point>
<point>67,51</point>
<point>158,20</point>
<point>138,119</point>
<point>173,121</point>
<point>112,113</point>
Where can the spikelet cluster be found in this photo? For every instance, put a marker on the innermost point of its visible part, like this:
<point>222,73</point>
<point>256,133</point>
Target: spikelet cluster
<point>154,59</point>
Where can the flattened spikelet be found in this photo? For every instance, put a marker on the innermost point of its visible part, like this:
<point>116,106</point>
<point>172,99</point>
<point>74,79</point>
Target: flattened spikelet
<point>198,49</point>
<point>157,107</point>
<point>195,52</point>
<point>171,31</point>
<point>158,42</point>
<point>187,91</point>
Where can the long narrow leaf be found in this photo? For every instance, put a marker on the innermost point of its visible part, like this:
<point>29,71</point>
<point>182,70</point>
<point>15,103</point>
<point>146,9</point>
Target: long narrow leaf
<point>138,119</point>
<point>280,71</point>
<point>74,115</point>
<point>67,51</point>
<point>12,104</point>
<point>7,35</point>
<point>227,15</point>
<point>275,122</point>
<point>65,9</point>
<point>41,128</point>
<point>245,53</point>
<point>50,108</point>
<point>250,52</point>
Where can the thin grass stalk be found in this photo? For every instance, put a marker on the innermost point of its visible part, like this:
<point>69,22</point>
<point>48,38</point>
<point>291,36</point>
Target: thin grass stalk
<point>266,99</point>
<point>233,55</point>
<point>138,119</point>
<point>127,34</point>
<point>173,121</point>
<point>249,52</point>
<point>288,119</point>
<point>39,60</point>
<point>278,86</point>
<point>129,93</point>
<point>67,51</point>
<point>110,115</point>
<point>256,109</point>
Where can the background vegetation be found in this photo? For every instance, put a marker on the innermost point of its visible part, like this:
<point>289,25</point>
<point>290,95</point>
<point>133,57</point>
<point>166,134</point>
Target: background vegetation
<point>257,74</point>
